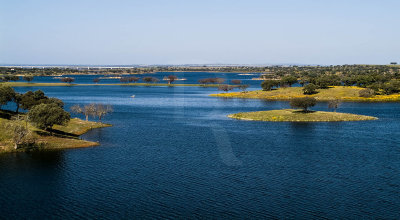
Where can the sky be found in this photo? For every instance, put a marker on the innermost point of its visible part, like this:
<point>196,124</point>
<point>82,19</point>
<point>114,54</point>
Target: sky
<point>122,32</point>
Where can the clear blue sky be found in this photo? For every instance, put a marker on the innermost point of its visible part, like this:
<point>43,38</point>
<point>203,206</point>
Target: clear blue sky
<point>202,31</point>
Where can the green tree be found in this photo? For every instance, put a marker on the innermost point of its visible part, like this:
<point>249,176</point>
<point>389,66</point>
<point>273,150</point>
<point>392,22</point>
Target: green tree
<point>304,103</point>
<point>27,78</point>
<point>267,85</point>
<point>310,89</point>
<point>288,80</point>
<point>44,116</point>
<point>7,94</point>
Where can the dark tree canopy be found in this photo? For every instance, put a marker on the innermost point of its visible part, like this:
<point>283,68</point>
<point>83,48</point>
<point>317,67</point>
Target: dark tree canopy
<point>310,89</point>
<point>304,103</point>
<point>44,116</point>
<point>27,78</point>
<point>225,88</point>
<point>236,81</point>
<point>30,99</point>
<point>7,94</point>
<point>67,79</point>
<point>267,85</point>
<point>288,80</point>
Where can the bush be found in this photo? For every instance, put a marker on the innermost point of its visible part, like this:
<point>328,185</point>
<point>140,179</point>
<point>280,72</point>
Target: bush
<point>304,103</point>
<point>310,89</point>
<point>366,93</point>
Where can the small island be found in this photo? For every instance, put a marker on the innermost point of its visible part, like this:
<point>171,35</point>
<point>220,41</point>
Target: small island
<point>293,115</point>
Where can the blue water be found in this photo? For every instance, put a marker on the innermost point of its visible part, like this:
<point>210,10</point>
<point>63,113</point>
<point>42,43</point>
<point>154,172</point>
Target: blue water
<point>173,153</point>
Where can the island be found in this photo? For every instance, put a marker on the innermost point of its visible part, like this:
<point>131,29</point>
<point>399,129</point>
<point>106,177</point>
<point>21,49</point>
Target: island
<point>294,115</point>
<point>343,93</point>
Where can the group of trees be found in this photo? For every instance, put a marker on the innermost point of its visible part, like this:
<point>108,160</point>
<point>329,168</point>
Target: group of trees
<point>148,79</point>
<point>211,80</point>
<point>67,79</point>
<point>94,110</point>
<point>43,112</point>
<point>35,103</point>
<point>129,79</point>
<point>307,102</point>
<point>379,78</point>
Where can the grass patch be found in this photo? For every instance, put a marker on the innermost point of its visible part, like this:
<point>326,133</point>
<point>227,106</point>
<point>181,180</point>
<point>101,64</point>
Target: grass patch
<point>292,115</point>
<point>344,93</point>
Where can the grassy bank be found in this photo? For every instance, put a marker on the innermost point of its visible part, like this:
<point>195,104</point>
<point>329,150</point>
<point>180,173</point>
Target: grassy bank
<point>61,137</point>
<point>291,115</point>
<point>344,93</point>
<point>26,84</point>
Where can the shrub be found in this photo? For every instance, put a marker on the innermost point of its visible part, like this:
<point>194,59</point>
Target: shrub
<point>366,93</point>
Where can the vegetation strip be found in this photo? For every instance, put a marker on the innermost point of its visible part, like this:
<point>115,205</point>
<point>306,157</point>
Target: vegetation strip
<point>292,115</point>
<point>24,84</point>
<point>343,93</point>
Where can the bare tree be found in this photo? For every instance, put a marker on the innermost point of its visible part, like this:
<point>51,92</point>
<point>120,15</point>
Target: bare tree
<point>236,81</point>
<point>171,78</point>
<point>20,134</point>
<point>335,103</point>
<point>86,110</point>
<point>100,110</point>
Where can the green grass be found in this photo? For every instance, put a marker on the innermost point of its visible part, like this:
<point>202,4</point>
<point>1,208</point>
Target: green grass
<point>62,137</point>
<point>26,84</point>
<point>344,93</point>
<point>292,115</point>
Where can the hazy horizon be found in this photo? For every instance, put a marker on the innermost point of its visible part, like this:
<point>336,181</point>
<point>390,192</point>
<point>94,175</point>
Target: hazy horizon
<point>178,32</point>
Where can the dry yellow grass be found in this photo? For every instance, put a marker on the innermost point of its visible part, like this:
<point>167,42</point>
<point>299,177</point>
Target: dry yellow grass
<point>292,115</point>
<point>344,93</point>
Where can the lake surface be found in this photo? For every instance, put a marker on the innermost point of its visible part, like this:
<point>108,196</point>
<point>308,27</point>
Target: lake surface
<point>173,153</point>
